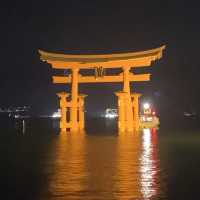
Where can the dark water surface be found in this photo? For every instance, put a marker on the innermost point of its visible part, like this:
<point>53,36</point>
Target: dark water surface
<point>40,163</point>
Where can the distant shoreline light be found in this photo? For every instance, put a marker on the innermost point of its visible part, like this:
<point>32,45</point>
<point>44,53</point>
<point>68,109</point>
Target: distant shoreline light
<point>56,114</point>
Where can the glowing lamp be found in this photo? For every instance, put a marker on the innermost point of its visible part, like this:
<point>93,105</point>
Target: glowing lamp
<point>146,106</point>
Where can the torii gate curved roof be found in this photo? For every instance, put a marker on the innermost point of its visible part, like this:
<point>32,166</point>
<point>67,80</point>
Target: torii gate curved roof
<point>131,59</point>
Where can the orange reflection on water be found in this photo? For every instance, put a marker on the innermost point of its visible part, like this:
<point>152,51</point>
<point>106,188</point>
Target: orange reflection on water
<point>69,172</point>
<point>104,167</point>
<point>128,173</point>
<point>101,165</point>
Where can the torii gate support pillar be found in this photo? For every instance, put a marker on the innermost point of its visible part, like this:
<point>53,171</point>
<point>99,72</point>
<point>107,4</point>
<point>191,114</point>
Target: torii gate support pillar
<point>81,113</point>
<point>121,111</point>
<point>63,107</point>
<point>135,104</point>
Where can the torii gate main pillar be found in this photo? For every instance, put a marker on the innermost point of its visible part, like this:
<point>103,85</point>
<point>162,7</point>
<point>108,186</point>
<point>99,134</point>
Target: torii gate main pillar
<point>128,105</point>
<point>127,100</point>
<point>74,101</point>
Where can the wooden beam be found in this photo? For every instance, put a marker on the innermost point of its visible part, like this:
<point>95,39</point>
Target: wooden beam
<point>104,79</point>
<point>60,79</point>
<point>138,62</point>
<point>89,59</point>
<point>140,77</point>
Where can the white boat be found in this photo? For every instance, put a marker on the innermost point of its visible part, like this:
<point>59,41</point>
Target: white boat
<point>149,121</point>
<point>111,113</point>
<point>148,118</point>
<point>56,114</point>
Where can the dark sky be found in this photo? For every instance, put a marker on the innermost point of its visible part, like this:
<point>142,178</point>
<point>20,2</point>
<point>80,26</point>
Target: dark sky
<point>99,26</point>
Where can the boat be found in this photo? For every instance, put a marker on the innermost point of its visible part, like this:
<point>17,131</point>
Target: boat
<point>148,118</point>
<point>111,113</point>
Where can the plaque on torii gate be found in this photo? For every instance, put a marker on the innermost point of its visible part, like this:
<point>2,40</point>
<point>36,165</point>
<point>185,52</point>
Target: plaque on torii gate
<point>73,103</point>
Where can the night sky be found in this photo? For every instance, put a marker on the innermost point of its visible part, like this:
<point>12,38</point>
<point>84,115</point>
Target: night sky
<point>99,26</point>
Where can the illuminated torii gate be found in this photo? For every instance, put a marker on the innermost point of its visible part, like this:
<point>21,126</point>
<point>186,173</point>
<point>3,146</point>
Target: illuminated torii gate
<point>74,103</point>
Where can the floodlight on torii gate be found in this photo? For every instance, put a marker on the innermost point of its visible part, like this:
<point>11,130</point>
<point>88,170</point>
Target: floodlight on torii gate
<point>73,103</point>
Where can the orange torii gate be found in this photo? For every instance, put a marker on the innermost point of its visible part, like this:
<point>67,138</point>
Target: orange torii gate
<point>73,103</point>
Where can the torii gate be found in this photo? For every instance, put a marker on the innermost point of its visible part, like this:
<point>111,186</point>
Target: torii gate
<point>73,103</point>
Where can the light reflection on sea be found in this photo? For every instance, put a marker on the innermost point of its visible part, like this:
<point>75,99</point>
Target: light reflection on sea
<point>121,166</point>
<point>38,163</point>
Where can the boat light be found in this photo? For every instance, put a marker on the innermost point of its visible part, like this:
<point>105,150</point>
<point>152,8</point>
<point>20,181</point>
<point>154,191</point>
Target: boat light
<point>146,105</point>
